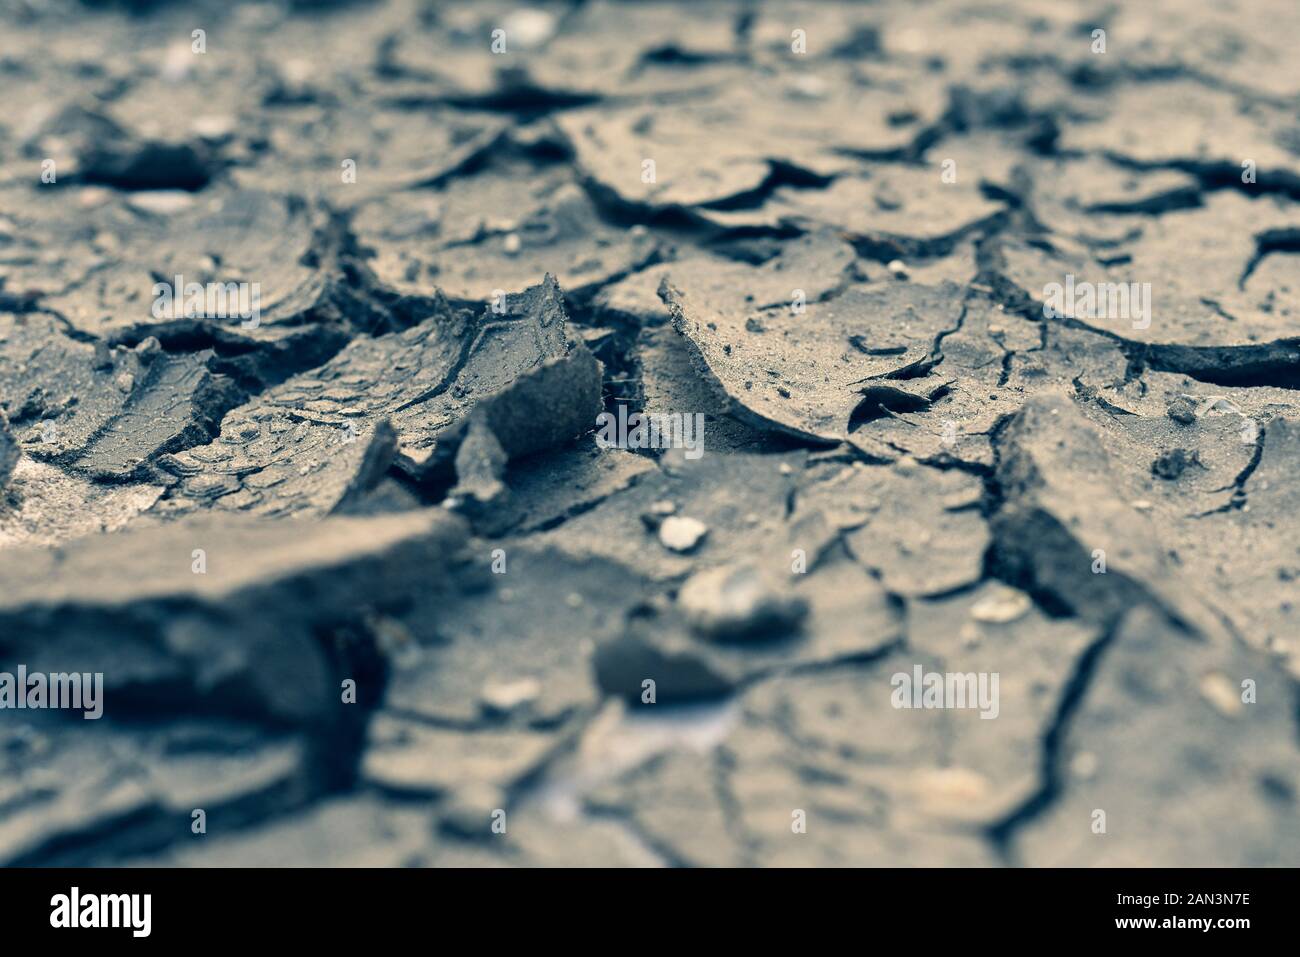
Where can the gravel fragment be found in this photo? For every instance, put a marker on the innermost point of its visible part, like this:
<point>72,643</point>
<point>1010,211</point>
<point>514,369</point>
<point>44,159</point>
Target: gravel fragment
<point>682,533</point>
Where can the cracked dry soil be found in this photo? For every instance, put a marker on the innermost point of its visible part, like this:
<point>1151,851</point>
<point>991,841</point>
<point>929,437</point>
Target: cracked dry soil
<point>365,587</point>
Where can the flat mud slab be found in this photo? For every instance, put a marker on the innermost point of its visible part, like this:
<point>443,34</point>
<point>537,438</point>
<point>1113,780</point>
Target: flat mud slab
<point>649,434</point>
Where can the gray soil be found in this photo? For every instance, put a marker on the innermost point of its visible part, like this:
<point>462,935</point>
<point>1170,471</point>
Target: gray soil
<point>366,586</point>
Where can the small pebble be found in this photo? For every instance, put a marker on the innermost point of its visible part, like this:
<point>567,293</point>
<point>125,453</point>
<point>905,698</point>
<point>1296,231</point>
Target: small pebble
<point>1222,694</point>
<point>507,697</point>
<point>1004,605</point>
<point>738,601</point>
<point>1084,765</point>
<point>681,534</point>
<point>468,811</point>
<point>529,27</point>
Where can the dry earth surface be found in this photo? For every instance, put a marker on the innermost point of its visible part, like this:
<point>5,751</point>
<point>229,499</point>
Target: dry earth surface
<point>366,584</point>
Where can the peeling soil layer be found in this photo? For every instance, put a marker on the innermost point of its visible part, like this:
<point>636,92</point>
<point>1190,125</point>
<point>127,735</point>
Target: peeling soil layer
<point>703,434</point>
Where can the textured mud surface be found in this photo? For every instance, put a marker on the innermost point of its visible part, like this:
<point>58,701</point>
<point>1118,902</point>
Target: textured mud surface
<point>367,581</point>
